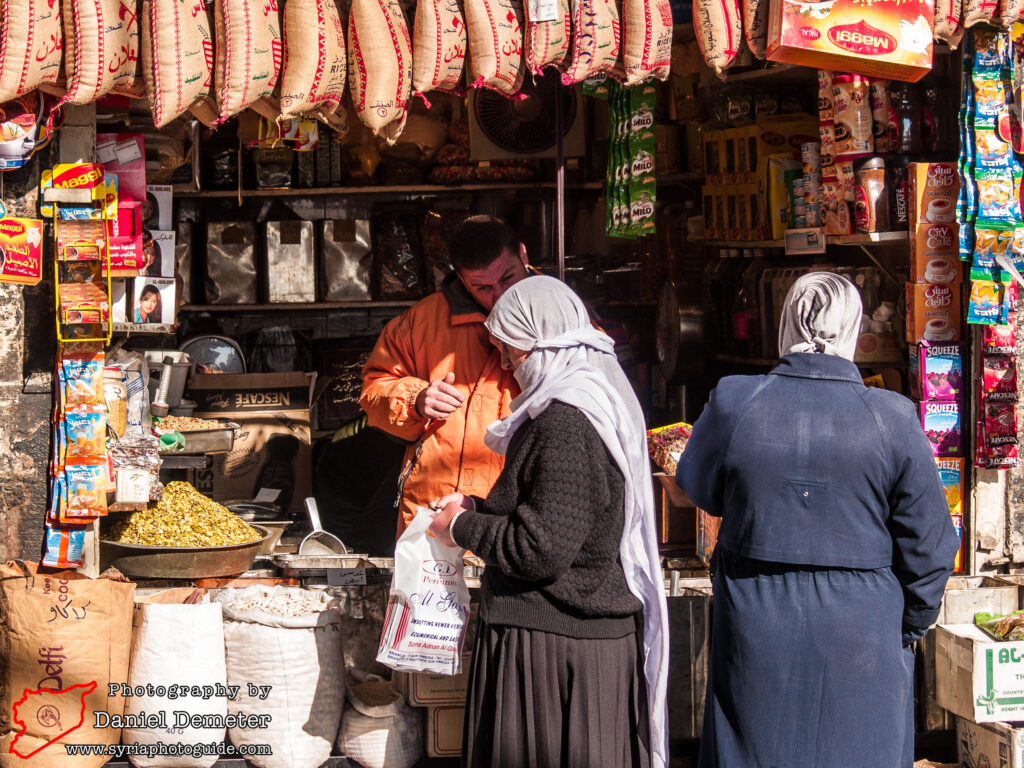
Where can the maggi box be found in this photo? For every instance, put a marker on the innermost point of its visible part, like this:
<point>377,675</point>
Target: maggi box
<point>880,38</point>
<point>933,312</point>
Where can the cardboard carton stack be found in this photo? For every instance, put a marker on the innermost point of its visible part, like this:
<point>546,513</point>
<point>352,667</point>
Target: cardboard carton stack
<point>444,698</point>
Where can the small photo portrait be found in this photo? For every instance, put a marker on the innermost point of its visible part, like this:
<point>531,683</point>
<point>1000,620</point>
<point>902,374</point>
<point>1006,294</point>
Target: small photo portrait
<point>153,300</point>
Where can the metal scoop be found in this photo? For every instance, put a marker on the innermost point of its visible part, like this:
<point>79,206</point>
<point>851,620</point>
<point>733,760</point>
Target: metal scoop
<point>319,541</point>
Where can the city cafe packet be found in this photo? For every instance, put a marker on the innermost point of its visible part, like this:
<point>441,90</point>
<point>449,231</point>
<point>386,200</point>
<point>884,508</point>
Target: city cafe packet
<point>21,251</point>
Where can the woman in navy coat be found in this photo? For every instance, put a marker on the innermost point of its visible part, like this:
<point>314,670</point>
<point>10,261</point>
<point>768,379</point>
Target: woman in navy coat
<point>834,550</point>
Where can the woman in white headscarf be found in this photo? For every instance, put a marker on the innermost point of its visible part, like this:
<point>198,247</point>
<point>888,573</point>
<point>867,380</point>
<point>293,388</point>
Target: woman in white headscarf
<point>833,552</point>
<point>570,660</point>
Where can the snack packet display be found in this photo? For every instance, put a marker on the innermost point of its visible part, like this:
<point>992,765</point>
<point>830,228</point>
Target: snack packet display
<point>1000,379</point>
<point>64,544</point>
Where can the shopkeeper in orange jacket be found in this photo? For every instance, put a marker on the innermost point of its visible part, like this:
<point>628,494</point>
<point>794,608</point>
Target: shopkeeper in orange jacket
<point>434,378</point>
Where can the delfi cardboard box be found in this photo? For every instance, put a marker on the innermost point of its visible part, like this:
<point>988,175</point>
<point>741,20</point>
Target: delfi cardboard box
<point>977,677</point>
<point>997,745</point>
<point>426,689</point>
<point>444,730</point>
<point>891,39</point>
<point>272,447</point>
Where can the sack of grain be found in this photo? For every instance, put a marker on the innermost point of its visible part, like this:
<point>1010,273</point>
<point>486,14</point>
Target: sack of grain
<point>177,58</point>
<point>596,40</point>
<point>547,42</point>
<point>495,29</point>
<point>380,65</point>
<point>946,22</point>
<point>164,656</point>
<point>31,46</point>
<point>313,78</point>
<point>248,52</point>
<point>64,640</point>
<point>133,86</point>
<point>755,26</point>
<point>287,643</point>
<point>101,48</point>
<point>719,32</point>
<point>979,12</point>
<point>647,39</point>
<point>439,46</point>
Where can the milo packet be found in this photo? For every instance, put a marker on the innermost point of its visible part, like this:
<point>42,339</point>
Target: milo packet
<point>642,183</point>
<point>597,86</point>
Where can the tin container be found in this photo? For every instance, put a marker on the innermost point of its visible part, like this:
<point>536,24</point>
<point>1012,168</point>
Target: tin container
<point>291,274</point>
<point>347,253</point>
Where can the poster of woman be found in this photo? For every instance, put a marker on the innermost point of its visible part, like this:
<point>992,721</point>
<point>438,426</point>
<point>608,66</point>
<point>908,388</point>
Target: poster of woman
<point>154,300</point>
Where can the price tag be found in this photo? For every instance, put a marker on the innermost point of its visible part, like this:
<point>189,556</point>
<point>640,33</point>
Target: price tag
<point>133,485</point>
<point>542,10</point>
<point>346,577</point>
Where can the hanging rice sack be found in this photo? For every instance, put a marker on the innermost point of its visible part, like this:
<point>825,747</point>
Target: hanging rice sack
<point>646,39</point>
<point>134,86</point>
<point>312,79</point>
<point>548,42</point>
<point>177,58</point>
<point>596,39</point>
<point>248,54</point>
<point>755,26</point>
<point>439,46</point>
<point>495,29</point>
<point>163,657</point>
<point>101,48</point>
<point>379,65</point>
<point>947,20</point>
<point>284,650</point>
<point>31,46</point>
<point>719,32</point>
<point>979,12</point>
<point>1010,12</point>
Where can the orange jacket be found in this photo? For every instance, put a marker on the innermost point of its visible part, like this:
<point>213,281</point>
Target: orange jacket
<point>443,332</point>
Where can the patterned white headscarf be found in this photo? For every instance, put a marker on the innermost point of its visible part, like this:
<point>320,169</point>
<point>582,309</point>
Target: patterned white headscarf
<point>822,314</point>
<point>574,363</point>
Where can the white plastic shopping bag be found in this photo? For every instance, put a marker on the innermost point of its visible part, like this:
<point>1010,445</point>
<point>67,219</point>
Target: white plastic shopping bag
<point>429,606</point>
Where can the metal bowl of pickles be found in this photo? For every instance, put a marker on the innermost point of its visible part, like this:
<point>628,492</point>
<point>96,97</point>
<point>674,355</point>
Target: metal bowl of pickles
<point>184,536</point>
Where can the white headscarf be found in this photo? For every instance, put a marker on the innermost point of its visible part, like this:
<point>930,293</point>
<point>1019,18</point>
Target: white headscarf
<point>822,313</point>
<point>574,363</point>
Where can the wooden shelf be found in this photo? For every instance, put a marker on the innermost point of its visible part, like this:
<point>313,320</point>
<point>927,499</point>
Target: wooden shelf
<point>144,328</point>
<point>304,307</point>
<point>874,238</point>
<point>681,179</point>
<point>773,71</point>
<point>745,243</point>
<point>407,189</point>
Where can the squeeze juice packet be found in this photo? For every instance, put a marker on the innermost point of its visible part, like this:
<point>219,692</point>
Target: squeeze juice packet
<point>940,367</point>
<point>951,473</point>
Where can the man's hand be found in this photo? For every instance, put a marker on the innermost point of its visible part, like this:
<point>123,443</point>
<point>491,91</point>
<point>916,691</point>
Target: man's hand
<point>440,400</point>
<point>441,523</point>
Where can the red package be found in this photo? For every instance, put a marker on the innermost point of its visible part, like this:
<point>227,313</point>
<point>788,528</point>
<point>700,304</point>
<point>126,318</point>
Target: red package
<point>1000,423</point>
<point>1001,457</point>
<point>1001,339</point>
<point>1000,379</point>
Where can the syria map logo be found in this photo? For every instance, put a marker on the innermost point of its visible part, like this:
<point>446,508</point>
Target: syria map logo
<point>54,715</point>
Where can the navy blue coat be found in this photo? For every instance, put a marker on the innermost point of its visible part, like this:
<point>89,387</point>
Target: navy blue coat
<point>834,550</point>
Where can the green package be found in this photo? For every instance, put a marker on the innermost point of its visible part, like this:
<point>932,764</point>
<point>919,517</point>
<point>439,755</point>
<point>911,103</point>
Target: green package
<point>643,188</point>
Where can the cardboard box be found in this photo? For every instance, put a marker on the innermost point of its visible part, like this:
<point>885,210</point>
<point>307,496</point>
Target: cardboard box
<point>935,254</point>
<point>444,731</point>
<point>933,313</point>
<point>977,677</point>
<point>996,745</point>
<point>933,193</point>
<point>272,448</point>
<point>425,689</point>
<point>889,38</point>
<point>781,134</point>
<point>714,156</point>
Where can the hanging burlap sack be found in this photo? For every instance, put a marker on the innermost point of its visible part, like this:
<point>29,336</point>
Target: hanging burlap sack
<point>647,39</point>
<point>379,65</point>
<point>31,46</point>
<point>947,24</point>
<point>65,639</point>
<point>548,42</point>
<point>313,77</point>
<point>101,48</point>
<point>164,655</point>
<point>285,643</point>
<point>177,58</point>
<point>719,28</point>
<point>596,40</point>
<point>495,29</point>
<point>248,55</point>
<point>755,26</point>
<point>439,46</point>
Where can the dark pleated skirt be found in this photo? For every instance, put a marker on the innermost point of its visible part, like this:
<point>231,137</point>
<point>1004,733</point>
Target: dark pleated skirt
<point>540,700</point>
